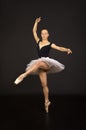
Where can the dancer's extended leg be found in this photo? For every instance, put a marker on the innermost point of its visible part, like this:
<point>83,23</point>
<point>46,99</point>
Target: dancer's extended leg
<point>38,65</point>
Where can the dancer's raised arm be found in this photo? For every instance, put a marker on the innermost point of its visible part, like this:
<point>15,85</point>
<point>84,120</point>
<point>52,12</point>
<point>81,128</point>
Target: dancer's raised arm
<point>63,49</point>
<point>35,29</point>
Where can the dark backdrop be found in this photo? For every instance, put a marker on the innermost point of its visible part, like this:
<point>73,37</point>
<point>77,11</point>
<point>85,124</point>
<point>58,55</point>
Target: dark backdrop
<point>65,21</point>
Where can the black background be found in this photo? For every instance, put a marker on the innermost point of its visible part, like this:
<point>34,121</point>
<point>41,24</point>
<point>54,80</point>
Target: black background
<point>65,21</point>
<point>22,106</point>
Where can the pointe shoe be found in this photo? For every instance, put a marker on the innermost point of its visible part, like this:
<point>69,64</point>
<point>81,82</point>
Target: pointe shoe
<point>47,104</point>
<point>19,79</point>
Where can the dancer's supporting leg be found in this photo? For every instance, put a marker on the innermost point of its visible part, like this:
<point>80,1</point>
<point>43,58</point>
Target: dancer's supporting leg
<point>38,65</point>
<point>43,78</point>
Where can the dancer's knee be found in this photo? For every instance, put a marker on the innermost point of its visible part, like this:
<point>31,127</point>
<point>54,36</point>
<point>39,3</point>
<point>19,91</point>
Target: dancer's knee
<point>38,64</point>
<point>43,84</point>
<point>41,64</point>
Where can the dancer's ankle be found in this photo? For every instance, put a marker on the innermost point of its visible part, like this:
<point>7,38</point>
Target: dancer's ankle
<point>46,101</point>
<point>24,75</point>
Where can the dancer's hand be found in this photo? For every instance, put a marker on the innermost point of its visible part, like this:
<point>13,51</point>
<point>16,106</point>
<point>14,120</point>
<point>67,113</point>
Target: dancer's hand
<point>69,51</point>
<point>38,19</point>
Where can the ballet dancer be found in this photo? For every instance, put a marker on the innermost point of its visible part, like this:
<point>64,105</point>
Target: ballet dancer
<point>43,65</point>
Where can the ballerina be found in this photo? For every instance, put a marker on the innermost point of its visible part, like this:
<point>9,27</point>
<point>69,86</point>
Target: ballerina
<point>44,64</point>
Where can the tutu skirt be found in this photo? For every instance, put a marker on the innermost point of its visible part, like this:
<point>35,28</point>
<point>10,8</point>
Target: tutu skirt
<point>54,65</point>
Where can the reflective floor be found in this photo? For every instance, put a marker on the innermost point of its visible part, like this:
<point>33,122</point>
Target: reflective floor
<point>26,112</point>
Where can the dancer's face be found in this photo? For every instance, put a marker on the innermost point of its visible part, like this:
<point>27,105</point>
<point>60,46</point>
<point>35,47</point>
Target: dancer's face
<point>44,34</point>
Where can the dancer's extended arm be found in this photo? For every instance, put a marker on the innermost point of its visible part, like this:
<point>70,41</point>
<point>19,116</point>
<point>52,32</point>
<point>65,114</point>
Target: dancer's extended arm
<point>63,49</point>
<point>35,29</point>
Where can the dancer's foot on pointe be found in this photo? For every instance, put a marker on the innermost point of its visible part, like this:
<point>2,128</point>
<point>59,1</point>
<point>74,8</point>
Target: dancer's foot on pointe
<point>19,79</point>
<point>47,104</point>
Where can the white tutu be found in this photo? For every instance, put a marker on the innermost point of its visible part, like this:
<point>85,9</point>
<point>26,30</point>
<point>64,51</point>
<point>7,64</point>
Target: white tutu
<point>54,65</point>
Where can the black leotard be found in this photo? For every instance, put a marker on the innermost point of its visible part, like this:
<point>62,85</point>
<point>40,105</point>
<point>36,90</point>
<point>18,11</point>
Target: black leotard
<point>44,51</point>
